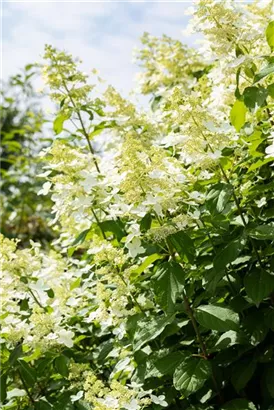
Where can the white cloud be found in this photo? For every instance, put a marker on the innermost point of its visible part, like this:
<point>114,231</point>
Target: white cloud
<point>102,34</point>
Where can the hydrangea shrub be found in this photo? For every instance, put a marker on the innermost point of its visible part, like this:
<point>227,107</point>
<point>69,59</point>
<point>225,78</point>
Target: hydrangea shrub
<point>159,289</point>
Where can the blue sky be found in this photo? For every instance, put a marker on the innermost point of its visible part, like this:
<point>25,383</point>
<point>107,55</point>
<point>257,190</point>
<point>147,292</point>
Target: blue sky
<point>103,34</point>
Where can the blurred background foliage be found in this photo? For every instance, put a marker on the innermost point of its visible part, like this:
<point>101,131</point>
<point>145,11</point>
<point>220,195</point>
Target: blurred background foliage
<point>23,122</point>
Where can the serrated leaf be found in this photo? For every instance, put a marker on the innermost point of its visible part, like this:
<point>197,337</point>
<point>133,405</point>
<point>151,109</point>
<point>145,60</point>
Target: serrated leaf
<point>149,329</point>
<point>258,285</point>
<point>61,365</point>
<point>217,318</point>
<point>270,35</point>
<point>238,404</point>
<point>228,254</point>
<point>242,373</point>
<point>262,232</point>
<point>237,115</point>
<point>168,284</point>
<point>191,375</point>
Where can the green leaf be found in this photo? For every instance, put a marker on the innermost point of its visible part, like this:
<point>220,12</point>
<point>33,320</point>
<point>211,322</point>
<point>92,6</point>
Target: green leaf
<point>242,373</point>
<point>259,164</point>
<point>270,90</point>
<point>15,354</point>
<point>237,115</point>
<point>270,35</point>
<point>228,254</point>
<point>155,102</point>
<point>61,365</point>
<point>42,365</point>
<point>269,318</point>
<point>254,96</point>
<point>114,227</point>
<point>254,326</point>
<point>237,91</point>
<point>148,261</point>
<point>58,123</point>
<point>166,364</point>
<point>227,339</point>
<point>269,379</point>
<point>145,223</point>
<point>217,318</point>
<point>43,405</point>
<point>264,73</point>
<point>27,373</point>
<point>88,111</point>
<point>258,285</point>
<point>104,349</point>
<point>50,293</point>
<point>262,232</point>
<point>62,102</point>
<point>149,329</point>
<point>191,375</point>
<point>183,245</point>
<point>76,283</point>
<point>238,404</point>
<point>80,238</point>
<point>34,356</point>
<point>3,386</point>
<point>218,197</point>
<point>168,283</point>
<point>98,128</point>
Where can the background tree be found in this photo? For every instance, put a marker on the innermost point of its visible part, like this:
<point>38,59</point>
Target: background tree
<point>21,141</point>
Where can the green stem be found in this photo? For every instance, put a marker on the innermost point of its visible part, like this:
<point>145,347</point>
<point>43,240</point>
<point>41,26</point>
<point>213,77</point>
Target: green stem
<point>233,290</point>
<point>26,388</point>
<point>131,294</point>
<point>83,128</point>
<point>194,324</point>
<point>190,314</point>
<point>80,119</point>
<point>98,223</point>
<point>36,300</point>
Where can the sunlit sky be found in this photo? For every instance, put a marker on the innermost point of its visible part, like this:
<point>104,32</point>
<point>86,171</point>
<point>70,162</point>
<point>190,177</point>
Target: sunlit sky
<point>103,34</point>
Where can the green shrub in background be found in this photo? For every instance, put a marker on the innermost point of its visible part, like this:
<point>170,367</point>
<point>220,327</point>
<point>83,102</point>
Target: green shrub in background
<point>22,139</point>
<point>162,293</point>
